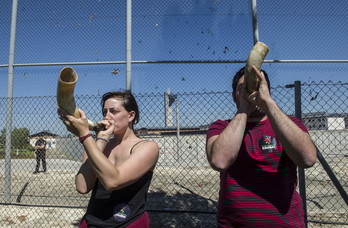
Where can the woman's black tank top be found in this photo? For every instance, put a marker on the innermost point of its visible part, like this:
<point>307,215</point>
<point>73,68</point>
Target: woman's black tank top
<point>118,208</point>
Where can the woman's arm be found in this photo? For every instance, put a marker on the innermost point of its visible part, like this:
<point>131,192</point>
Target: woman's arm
<point>85,178</point>
<point>143,159</point>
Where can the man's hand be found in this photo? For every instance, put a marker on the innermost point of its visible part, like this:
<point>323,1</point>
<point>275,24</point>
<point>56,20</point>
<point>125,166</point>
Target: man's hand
<point>262,95</point>
<point>245,105</point>
<point>241,98</point>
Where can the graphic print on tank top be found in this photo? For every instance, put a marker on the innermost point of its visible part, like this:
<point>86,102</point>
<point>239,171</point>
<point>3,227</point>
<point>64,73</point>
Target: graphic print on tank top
<point>121,212</point>
<point>268,144</point>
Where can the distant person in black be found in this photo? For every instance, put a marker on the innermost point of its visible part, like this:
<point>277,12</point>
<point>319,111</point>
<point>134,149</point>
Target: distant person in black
<point>40,147</point>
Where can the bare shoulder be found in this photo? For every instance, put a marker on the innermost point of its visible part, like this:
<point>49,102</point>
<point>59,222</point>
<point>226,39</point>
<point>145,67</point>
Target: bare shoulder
<point>148,146</point>
<point>148,143</point>
<point>146,152</point>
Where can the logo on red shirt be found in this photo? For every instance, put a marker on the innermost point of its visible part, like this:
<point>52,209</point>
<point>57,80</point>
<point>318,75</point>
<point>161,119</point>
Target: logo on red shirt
<point>268,144</point>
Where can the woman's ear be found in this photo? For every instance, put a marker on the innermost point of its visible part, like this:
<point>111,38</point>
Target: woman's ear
<point>131,116</point>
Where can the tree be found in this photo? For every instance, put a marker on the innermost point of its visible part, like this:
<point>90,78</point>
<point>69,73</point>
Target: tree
<point>2,138</point>
<point>20,138</point>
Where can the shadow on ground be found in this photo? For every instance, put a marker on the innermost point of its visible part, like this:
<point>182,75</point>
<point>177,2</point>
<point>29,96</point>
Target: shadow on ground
<point>181,210</point>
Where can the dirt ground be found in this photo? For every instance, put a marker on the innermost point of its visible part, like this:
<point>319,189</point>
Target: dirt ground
<point>194,190</point>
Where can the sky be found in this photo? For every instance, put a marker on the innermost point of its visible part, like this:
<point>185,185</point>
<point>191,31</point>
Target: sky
<point>172,30</point>
<point>192,30</point>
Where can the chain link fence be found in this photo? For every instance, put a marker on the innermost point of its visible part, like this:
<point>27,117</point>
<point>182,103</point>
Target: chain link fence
<point>184,190</point>
<point>184,56</point>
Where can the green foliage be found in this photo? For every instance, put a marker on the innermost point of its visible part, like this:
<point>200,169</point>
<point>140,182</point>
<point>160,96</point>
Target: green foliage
<point>2,138</point>
<point>19,138</point>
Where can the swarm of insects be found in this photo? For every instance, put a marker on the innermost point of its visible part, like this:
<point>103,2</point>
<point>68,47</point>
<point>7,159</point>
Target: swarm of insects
<point>115,71</point>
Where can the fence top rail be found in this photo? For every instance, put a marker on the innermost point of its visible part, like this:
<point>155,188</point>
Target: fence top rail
<point>171,62</point>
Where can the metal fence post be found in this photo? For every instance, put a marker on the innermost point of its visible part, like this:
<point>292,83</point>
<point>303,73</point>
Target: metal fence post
<point>301,171</point>
<point>129,46</point>
<point>7,195</point>
<point>178,130</point>
<point>254,21</point>
<point>332,176</point>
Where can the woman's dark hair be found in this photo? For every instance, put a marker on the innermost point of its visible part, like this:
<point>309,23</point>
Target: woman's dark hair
<point>128,102</point>
<point>240,73</point>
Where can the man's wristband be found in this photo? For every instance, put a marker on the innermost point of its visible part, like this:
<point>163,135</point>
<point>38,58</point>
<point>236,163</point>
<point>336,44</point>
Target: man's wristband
<point>104,139</point>
<point>83,138</point>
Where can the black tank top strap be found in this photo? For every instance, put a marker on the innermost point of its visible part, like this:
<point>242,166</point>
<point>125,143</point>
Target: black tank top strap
<point>135,145</point>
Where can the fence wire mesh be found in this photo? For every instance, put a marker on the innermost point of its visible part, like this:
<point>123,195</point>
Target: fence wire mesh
<point>183,181</point>
<point>184,190</point>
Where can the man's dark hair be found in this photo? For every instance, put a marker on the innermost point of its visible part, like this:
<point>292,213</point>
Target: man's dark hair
<point>128,102</point>
<point>240,73</point>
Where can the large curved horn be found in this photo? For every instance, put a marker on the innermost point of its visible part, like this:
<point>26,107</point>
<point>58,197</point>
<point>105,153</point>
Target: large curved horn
<point>65,95</point>
<point>256,57</point>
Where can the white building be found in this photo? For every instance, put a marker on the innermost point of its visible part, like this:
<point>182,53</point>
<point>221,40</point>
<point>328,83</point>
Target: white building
<point>323,121</point>
<point>48,137</point>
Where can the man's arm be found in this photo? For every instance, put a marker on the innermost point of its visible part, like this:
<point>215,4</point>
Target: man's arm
<point>40,145</point>
<point>222,150</point>
<point>297,143</point>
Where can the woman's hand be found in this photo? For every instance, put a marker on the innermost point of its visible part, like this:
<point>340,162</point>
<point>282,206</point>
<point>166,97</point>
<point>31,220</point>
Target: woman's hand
<point>108,129</point>
<point>77,126</point>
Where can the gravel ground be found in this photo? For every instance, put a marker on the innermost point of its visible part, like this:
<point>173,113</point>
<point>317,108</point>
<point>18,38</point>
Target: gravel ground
<point>173,190</point>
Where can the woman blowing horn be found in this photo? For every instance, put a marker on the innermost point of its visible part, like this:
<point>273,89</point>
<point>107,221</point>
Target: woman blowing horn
<point>117,169</point>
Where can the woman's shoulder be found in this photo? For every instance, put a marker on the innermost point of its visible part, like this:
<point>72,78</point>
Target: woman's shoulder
<point>146,152</point>
<point>147,145</point>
